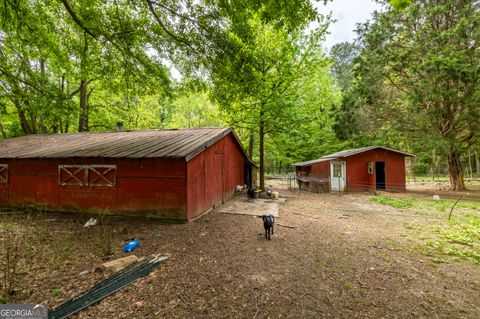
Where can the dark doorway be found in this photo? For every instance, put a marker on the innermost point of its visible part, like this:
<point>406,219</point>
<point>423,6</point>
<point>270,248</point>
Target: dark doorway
<point>380,175</point>
<point>247,174</point>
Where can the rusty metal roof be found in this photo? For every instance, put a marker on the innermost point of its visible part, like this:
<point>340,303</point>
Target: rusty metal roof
<point>348,153</point>
<point>176,143</point>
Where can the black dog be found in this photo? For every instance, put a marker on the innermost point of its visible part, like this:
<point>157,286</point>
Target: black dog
<point>268,221</point>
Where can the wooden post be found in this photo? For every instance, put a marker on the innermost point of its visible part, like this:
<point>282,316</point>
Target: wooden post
<point>339,186</point>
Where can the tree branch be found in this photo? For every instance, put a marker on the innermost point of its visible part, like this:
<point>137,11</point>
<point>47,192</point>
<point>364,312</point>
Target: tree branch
<point>77,20</point>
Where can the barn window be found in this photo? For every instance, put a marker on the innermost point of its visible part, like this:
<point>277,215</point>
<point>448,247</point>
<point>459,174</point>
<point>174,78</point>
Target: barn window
<point>87,175</point>
<point>74,175</point>
<point>102,175</point>
<point>3,173</point>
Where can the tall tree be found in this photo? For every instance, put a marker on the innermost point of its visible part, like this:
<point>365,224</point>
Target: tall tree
<point>259,86</point>
<point>68,58</point>
<point>343,54</point>
<point>55,64</point>
<point>419,70</point>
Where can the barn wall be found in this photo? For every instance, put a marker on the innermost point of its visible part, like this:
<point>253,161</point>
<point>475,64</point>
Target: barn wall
<point>148,187</point>
<point>4,185</point>
<point>213,175</point>
<point>395,172</point>
<point>317,170</point>
<point>33,182</point>
<point>358,178</point>
<point>320,170</point>
<point>157,186</point>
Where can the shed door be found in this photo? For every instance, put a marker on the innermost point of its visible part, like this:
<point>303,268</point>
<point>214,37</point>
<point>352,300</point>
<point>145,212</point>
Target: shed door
<point>337,175</point>
<point>380,175</point>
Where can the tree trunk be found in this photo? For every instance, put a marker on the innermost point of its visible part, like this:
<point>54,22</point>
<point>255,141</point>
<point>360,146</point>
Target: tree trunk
<point>2,130</point>
<point>57,127</point>
<point>477,162</point>
<point>470,166</point>
<point>43,128</point>
<point>251,141</point>
<point>455,172</point>
<point>83,118</point>
<point>262,151</point>
<point>433,165</point>
<point>23,118</point>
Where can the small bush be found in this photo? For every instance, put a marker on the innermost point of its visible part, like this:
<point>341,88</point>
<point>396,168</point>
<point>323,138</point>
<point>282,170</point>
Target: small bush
<point>15,256</point>
<point>104,235</point>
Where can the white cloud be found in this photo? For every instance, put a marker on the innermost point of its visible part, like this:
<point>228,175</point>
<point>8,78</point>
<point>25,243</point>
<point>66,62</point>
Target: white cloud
<point>347,13</point>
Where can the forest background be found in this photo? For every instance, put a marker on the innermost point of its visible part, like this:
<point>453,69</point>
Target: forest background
<point>409,81</point>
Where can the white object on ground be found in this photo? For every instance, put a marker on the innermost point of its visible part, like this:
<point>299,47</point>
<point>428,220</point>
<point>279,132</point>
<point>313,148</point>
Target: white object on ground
<point>91,222</point>
<point>436,197</point>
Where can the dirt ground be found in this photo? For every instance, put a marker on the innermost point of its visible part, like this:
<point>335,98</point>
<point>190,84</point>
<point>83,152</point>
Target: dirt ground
<point>328,258</point>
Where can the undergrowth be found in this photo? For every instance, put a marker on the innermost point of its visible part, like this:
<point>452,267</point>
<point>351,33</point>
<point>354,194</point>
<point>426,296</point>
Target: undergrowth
<point>34,240</point>
<point>394,202</point>
<point>458,239</point>
<point>455,239</point>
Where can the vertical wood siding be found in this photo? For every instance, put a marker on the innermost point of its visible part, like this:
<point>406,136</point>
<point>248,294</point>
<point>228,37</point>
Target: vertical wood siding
<point>213,175</point>
<point>357,170</point>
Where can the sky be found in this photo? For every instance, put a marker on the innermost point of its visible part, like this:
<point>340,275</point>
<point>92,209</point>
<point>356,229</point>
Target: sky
<point>347,13</point>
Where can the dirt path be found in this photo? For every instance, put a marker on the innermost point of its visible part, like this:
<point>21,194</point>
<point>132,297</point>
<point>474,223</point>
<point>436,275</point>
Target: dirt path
<point>331,265</point>
<point>337,262</point>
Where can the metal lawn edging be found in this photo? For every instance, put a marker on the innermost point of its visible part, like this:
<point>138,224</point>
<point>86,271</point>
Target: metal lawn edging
<point>107,287</point>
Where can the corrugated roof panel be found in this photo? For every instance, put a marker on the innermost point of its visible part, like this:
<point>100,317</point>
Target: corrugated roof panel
<point>128,144</point>
<point>347,153</point>
<point>311,162</point>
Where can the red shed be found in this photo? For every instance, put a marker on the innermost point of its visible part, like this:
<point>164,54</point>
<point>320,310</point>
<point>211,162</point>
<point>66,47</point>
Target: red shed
<point>367,168</point>
<point>169,174</point>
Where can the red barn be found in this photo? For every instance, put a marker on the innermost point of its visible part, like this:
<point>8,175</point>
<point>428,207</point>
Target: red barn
<point>368,168</point>
<point>169,174</point>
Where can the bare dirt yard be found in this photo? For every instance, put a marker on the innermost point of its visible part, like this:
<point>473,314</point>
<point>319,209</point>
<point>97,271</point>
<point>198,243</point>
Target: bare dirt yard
<point>330,257</point>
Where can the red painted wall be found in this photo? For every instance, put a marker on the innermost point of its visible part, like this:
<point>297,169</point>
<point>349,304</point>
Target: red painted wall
<point>154,187</point>
<point>357,175</point>
<point>4,186</point>
<point>318,170</point>
<point>213,175</point>
<point>321,169</point>
<point>357,170</point>
<point>148,187</point>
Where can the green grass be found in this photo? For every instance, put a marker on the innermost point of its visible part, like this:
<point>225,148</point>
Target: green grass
<point>430,207</point>
<point>56,292</point>
<point>458,239</point>
<point>441,239</point>
<point>444,205</point>
<point>394,202</point>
